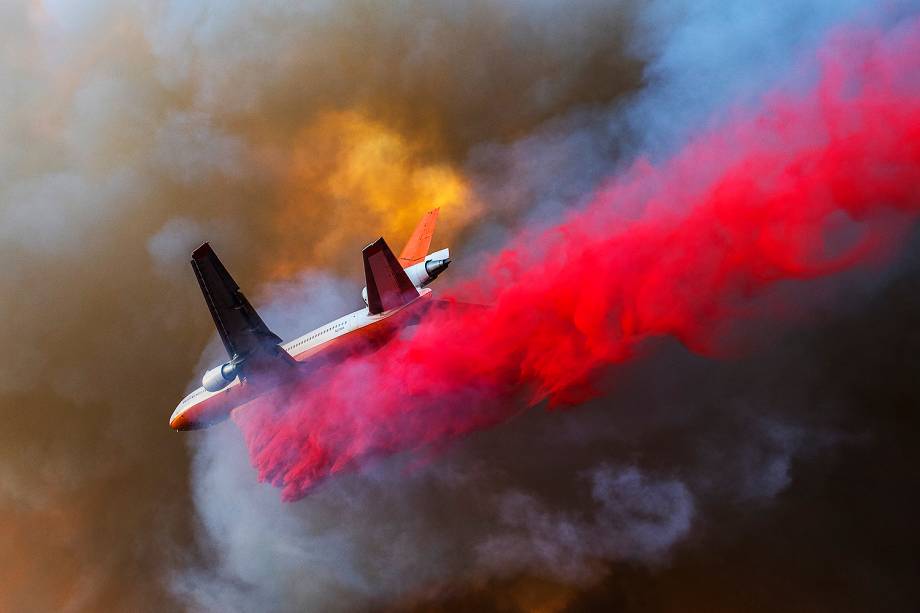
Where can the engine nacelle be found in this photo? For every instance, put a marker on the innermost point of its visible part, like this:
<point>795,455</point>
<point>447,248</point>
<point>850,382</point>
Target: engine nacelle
<point>425,272</point>
<point>219,377</point>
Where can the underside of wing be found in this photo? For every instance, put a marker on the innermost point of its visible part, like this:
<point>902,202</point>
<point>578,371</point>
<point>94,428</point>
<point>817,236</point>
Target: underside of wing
<point>243,333</point>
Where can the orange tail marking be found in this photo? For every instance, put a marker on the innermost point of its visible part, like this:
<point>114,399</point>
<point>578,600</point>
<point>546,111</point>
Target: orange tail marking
<point>417,247</point>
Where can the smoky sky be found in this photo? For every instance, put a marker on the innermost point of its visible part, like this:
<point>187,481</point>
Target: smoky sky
<point>132,131</point>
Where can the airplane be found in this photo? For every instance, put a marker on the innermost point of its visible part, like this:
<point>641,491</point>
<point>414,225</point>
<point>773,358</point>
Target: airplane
<point>260,362</point>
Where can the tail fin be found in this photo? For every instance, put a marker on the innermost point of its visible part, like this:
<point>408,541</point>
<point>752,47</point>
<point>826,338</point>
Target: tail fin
<point>417,247</point>
<point>388,285</point>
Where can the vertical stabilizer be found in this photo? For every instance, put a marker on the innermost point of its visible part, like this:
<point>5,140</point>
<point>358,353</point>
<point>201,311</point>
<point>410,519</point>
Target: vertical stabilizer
<point>417,247</point>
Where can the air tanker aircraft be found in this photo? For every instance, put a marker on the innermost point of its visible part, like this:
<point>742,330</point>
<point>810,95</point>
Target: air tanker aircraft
<point>260,363</point>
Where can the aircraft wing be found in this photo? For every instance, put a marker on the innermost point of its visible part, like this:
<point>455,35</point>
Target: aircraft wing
<point>244,334</point>
<point>388,285</point>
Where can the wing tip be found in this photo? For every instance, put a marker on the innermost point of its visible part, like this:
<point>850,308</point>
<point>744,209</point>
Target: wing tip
<point>375,243</point>
<point>202,251</point>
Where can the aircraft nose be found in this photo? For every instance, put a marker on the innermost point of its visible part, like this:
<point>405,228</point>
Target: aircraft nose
<point>177,419</point>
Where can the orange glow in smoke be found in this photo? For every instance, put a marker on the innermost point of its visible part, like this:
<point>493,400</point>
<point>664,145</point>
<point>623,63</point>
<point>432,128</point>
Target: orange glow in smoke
<point>350,180</point>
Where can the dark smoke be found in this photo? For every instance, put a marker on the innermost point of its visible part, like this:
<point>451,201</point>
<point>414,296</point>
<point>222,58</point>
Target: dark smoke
<point>133,131</point>
<point>737,448</point>
<point>812,185</point>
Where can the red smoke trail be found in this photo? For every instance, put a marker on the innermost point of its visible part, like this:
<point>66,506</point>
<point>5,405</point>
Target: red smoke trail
<point>814,184</point>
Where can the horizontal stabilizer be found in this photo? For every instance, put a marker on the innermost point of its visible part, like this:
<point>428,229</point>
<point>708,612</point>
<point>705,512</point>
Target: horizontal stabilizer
<point>388,285</point>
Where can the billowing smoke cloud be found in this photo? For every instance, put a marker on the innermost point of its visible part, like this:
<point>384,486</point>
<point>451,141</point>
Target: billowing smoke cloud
<point>706,448</point>
<point>133,131</point>
<point>635,519</point>
<point>690,77</point>
<point>818,182</point>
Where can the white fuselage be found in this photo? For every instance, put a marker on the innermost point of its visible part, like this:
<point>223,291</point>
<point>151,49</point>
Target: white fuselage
<point>349,333</point>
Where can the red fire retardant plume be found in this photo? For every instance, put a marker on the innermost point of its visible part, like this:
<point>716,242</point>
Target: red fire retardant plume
<point>815,183</point>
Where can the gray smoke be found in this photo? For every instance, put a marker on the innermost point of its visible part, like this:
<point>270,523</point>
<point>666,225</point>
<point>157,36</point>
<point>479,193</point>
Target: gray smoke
<point>557,496</point>
<point>636,519</point>
<point>133,131</point>
<point>704,62</point>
